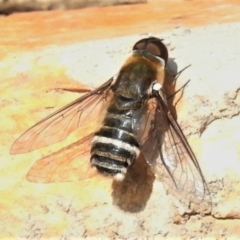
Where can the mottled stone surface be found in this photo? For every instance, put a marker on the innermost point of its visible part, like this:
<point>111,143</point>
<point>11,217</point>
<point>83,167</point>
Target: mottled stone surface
<point>13,6</point>
<point>42,51</point>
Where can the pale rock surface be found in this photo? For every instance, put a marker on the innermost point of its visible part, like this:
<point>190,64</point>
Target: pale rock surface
<point>208,112</point>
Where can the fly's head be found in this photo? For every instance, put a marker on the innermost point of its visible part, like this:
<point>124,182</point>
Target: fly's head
<point>154,46</point>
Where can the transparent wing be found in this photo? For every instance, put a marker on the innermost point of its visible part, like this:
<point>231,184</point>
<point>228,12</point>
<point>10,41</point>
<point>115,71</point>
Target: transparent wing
<point>68,164</point>
<point>61,123</point>
<point>167,151</point>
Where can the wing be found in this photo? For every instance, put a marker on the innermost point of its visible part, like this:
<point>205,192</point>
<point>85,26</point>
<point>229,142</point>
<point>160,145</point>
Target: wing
<point>61,123</point>
<point>167,151</point>
<point>68,164</point>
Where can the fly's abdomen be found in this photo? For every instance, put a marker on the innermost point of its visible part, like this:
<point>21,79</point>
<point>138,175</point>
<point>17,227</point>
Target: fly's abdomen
<point>114,147</point>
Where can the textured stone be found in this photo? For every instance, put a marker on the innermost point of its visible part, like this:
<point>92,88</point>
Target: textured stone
<point>42,51</point>
<point>12,6</point>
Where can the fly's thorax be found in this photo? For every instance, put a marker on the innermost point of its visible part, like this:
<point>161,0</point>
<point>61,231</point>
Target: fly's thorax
<point>152,61</point>
<point>135,81</point>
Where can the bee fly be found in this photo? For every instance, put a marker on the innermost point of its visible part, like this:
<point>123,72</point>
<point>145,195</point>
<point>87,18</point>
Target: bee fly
<point>137,119</point>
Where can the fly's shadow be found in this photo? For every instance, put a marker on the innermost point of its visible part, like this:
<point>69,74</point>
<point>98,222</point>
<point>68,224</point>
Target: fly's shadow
<point>132,194</point>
